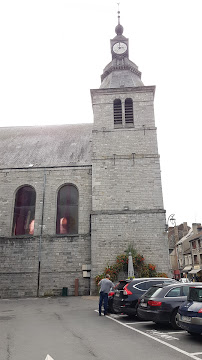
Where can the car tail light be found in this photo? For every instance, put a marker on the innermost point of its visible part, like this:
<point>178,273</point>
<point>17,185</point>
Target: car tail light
<point>200,311</point>
<point>126,291</point>
<point>111,293</point>
<point>154,303</point>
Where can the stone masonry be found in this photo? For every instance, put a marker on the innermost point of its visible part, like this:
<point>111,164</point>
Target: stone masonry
<point>115,168</point>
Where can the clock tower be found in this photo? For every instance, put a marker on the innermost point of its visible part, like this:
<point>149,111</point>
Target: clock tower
<point>127,201</point>
<point>119,44</point>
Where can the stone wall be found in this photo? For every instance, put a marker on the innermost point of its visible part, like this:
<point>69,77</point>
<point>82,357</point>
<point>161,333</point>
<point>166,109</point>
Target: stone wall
<point>61,260</point>
<point>127,201</point>
<point>61,257</point>
<point>112,233</point>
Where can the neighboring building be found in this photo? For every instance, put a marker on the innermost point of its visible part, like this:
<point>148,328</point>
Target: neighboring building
<point>73,197</point>
<point>175,234</point>
<point>196,252</point>
<point>189,256</point>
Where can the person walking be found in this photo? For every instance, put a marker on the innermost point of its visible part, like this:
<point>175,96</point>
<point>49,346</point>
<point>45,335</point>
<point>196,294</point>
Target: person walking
<point>105,286</point>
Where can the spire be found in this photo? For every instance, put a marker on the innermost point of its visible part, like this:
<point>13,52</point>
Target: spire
<point>120,72</point>
<point>119,27</point>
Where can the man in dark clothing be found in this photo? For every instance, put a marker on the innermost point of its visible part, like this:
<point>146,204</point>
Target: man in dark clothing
<point>105,286</point>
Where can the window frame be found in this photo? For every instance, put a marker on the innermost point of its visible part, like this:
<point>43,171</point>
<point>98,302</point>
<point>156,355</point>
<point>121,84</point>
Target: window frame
<point>31,207</point>
<point>56,222</point>
<point>126,108</point>
<point>118,122</point>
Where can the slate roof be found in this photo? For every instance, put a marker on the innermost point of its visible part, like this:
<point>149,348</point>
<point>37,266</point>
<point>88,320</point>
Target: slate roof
<point>196,236</point>
<point>45,146</point>
<point>118,76</point>
<point>184,238</point>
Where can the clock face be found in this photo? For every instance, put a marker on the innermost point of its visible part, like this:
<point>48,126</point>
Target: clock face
<point>119,48</point>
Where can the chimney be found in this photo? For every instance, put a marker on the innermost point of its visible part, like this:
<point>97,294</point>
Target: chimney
<point>195,228</point>
<point>185,228</point>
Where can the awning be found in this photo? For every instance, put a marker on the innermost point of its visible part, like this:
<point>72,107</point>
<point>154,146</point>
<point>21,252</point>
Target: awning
<point>194,271</point>
<point>187,268</point>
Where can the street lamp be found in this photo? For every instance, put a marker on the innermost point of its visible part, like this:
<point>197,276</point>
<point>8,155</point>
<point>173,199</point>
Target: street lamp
<point>170,220</point>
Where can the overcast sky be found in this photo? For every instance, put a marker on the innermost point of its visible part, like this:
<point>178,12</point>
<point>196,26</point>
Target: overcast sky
<point>53,52</point>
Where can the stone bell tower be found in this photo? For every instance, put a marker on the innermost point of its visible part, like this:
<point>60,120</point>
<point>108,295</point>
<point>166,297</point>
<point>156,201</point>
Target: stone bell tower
<point>127,202</point>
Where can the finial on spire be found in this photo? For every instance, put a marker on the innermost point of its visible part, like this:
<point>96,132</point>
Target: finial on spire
<point>119,27</point>
<point>118,13</point>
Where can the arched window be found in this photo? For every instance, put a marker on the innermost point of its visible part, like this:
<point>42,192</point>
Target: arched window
<point>24,211</point>
<point>128,111</point>
<point>67,210</point>
<point>117,112</point>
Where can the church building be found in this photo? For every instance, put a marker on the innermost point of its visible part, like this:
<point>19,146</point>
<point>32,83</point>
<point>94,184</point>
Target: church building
<point>73,197</point>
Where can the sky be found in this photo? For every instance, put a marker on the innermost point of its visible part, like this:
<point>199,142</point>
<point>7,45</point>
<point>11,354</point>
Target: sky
<point>54,51</point>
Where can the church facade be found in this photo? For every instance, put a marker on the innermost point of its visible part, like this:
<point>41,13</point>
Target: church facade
<point>73,197</point>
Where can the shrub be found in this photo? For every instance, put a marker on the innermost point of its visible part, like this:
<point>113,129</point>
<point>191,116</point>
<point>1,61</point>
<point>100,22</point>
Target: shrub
<point>121,264</point>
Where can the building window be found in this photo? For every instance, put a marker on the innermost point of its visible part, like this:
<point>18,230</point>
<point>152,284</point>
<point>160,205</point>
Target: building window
<point>24,211</point>
<point>67,210</point>
<point>181,262</point>
<point>128,111</point>
<point>196,262</point>
<point>194,244</point>
<point>117,112</point>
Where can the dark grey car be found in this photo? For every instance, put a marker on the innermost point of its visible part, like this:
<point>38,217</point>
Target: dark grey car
<point>161,302</point>
<point>126,299</point>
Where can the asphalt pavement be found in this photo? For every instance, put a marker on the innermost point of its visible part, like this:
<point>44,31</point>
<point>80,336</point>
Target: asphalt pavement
<point>70,328</point>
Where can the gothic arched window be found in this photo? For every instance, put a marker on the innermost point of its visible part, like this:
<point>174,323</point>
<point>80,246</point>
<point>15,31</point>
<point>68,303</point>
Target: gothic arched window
<point>67,210</point>
<point>128,111</point>
<point>117,112</point>
<point>24,211</point>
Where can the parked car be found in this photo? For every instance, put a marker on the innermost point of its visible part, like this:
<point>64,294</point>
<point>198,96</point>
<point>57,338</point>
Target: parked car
<point>126,299</point>
<point>119,286</point>
<point>190,313</point>
<point>161,302</point>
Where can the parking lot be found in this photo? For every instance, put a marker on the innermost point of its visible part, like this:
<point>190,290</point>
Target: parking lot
<point>70,328</point>
<point>179,340</point>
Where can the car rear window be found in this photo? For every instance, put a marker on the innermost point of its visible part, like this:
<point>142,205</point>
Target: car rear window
<point>145,285</point>
<point>121,285</point>
<point>195,294</point>
<point>153,291</point>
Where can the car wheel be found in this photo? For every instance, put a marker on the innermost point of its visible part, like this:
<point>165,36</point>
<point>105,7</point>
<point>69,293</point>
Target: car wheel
<point>174,320</point>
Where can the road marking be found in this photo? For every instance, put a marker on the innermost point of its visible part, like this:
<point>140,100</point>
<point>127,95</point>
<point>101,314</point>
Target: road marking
<point>140,322</point>
<point>198,353</point>
<point>161,334</point>
<point>177,332</point>
<point>48,357</point>
<point>154,338</point>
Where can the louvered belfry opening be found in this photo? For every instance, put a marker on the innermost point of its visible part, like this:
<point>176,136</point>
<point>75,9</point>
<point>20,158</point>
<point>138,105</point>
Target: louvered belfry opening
<point>117,112</point>
<point>128,111</point>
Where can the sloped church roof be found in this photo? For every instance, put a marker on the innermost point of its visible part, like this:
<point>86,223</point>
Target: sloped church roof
<point>41,146</point>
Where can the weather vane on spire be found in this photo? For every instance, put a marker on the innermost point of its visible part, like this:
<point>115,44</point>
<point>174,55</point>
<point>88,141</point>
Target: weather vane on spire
<point>118,13</point>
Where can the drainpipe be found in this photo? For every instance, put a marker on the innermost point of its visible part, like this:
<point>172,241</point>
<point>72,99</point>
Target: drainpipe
<point>41,233</point>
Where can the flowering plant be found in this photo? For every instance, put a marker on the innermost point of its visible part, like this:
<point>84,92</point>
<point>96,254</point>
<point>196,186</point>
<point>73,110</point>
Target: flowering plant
<point>121,264</point>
